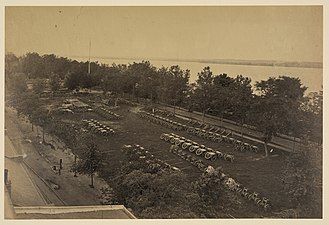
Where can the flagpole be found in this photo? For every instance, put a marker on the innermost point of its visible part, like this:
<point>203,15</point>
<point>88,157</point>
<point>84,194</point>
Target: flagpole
<point>89,57</point>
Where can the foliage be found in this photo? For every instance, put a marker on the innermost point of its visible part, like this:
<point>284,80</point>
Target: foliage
<point>12,65</point>
<point>55,82</point>
<point>72,81</point>
<point>39,86</point>
<point>302,179</point>
<point>16,84</point>
<point>33,66</point>
<point>173,84</point>
<point>90,159</point>
<point>277,107</point>
<point>312,116</point>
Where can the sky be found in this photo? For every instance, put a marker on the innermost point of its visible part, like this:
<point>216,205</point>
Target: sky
<point>281,33</point>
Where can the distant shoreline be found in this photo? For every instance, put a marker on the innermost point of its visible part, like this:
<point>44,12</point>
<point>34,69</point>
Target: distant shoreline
<point>269,63</point>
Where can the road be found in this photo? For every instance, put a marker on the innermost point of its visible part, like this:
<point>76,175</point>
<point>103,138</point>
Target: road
<point>38,166</point>
<point>24,190</point>
<point>277,142</point>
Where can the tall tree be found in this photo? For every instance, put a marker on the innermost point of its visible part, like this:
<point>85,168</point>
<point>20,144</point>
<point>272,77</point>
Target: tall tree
<point>223,94</point>
<point>17,84</point>
<point>55,82</point>
<point>33,65</point>
<point>72,81</point>
<point>203,90</point>
<point>277,106</point>
<point>177,85</point>
<point>90,161</point>
<point>242,98</point>
<point>12,65</point>
<point>39,86</point>
<point>312,116</point>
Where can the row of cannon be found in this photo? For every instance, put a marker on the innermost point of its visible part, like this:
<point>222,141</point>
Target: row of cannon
<point>107,113</point>
<point>213,136</point>
<point>98,127</point>
<point>188,157</point>
<point>224,136</point>
<point>163,112</point>
<point>234,186</point>
<point>255,197</point>
<point>127,102</point>
<point>139,153</point>
<point>199,150</point>
<point>163,121</point>
<point>205,126</point>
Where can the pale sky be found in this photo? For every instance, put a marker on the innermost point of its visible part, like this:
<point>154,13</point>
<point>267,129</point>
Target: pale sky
<point>264,33</point>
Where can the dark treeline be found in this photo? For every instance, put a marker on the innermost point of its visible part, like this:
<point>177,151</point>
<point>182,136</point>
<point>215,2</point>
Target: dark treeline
<point>276,105</point>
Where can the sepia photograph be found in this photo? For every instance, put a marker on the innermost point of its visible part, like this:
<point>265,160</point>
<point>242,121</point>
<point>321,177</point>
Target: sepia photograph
<point>163,112</point>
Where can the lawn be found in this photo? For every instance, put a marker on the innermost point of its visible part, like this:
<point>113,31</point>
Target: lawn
<point>251,169</point>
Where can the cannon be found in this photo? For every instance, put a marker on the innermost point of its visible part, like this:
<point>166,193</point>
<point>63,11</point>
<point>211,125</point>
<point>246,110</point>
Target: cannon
<point>219,154</point>
<point>254,148</point>
<point>228,157</point>
<point>200,151</point>
<point>163,135</point>
<point>193,147</point>
<point>186,145</point>
<point>210,155</point>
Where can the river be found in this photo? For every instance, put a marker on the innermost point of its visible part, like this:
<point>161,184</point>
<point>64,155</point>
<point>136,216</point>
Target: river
<point>312,78</point>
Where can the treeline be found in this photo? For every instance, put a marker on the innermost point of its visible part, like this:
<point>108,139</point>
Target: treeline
<point>276,105</point>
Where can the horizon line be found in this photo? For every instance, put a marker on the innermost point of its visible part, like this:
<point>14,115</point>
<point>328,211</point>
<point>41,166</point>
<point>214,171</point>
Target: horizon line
<point>252,62</point>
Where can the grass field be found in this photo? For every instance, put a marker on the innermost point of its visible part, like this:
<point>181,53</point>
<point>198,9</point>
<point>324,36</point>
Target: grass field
<point>251,169</point>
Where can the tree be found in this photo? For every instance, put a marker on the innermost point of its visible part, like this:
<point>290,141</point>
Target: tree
<point>17,84</point>
<point>242,98</point>
<point>90,161</point>
<point>174,84</point>
<point>39,86</point>
<point>203,90</point>
<point>165,194</point>
<point>277,106</point>
<point>223,94</point>
<point>49,62</point>
<point>33,65</point>
<point>112,78</point>
<point>312,116</point>
<point>55,82</point>
<point>29,105</point>
<point>302,180</point>
<point>145,75</point>
<point>12,65</point>
<point>44,118</point>
<point>72,81</point>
